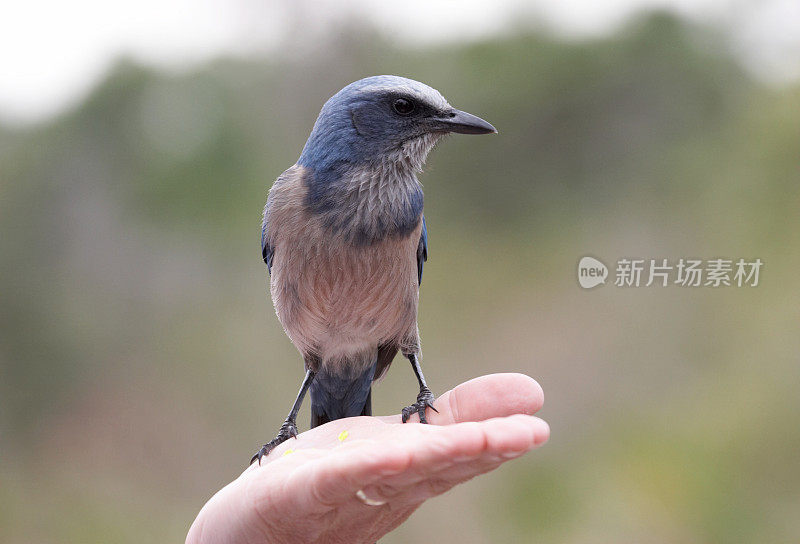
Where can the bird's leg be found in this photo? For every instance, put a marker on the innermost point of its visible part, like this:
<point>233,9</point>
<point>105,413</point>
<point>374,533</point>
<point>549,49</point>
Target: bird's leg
<point>289,428</point>
<point>424,399</point>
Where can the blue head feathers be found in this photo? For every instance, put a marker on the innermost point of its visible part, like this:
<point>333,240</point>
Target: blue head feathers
<point>372,118</point>
<point>361,123</point>
<point>377,131</point>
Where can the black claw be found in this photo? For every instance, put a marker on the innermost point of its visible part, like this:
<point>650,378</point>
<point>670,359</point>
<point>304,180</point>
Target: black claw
<point>265,449</point>
<point>425,400</point>
<point>288,430</point>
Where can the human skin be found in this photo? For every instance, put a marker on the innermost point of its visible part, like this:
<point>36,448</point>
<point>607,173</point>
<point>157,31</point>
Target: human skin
<point>306,489</point>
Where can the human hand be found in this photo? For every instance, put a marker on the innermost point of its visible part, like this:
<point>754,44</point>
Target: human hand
<point>353,480</point>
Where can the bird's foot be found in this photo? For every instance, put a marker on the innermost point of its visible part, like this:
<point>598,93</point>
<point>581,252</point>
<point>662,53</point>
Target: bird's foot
<point>424,400</point>
<point>288,430</point>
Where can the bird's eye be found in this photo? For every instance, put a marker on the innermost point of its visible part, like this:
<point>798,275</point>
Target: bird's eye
<point>401,106</point>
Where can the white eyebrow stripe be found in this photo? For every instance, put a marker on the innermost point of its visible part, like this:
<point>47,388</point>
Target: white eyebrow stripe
<point>429,96</point>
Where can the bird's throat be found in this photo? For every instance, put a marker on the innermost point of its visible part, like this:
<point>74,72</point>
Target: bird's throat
<point>373,200</point>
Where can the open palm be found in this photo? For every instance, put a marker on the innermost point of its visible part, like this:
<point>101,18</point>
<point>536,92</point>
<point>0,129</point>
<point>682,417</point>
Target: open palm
<point>353,480</point>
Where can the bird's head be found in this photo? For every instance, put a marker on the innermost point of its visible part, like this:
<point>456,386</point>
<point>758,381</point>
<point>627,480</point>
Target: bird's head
<point>384,118</point>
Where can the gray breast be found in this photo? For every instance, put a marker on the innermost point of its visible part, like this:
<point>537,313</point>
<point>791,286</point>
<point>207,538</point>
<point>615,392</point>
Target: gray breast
<point>344,274</point>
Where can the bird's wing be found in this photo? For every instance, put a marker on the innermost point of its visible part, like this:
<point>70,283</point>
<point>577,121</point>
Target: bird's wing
<point>422,250</point>
<point>267,251</point>
<point>282,194</point>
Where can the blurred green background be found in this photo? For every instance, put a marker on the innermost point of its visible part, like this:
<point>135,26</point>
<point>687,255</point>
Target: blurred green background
<point>141,362</point>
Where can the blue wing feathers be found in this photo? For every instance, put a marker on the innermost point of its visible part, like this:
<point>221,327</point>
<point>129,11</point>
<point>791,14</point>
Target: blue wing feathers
<point>267,252</point>
<point>422,250</point>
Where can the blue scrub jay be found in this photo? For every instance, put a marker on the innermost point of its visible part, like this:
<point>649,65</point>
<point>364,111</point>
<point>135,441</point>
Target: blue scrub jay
<point>345,241</point>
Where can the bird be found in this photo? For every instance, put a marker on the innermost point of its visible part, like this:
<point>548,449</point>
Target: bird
<point>345,241</point>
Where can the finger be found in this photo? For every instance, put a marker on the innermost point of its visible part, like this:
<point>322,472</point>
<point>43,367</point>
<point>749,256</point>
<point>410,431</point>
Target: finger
<point>495,395</point>
<point>444,456</point>
<point>435,447</point>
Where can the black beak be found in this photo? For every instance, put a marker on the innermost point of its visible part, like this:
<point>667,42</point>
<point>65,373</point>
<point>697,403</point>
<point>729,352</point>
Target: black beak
<point>464,123</point>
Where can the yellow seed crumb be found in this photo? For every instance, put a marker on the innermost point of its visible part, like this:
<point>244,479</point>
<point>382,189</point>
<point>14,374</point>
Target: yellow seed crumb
<point>287,452</point>
<point>343,436</point>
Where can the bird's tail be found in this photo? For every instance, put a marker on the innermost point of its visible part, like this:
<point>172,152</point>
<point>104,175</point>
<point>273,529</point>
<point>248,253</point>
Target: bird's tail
<point>335,395</point>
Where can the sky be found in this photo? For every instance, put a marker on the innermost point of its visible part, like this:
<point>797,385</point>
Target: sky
<point>53,52</point>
